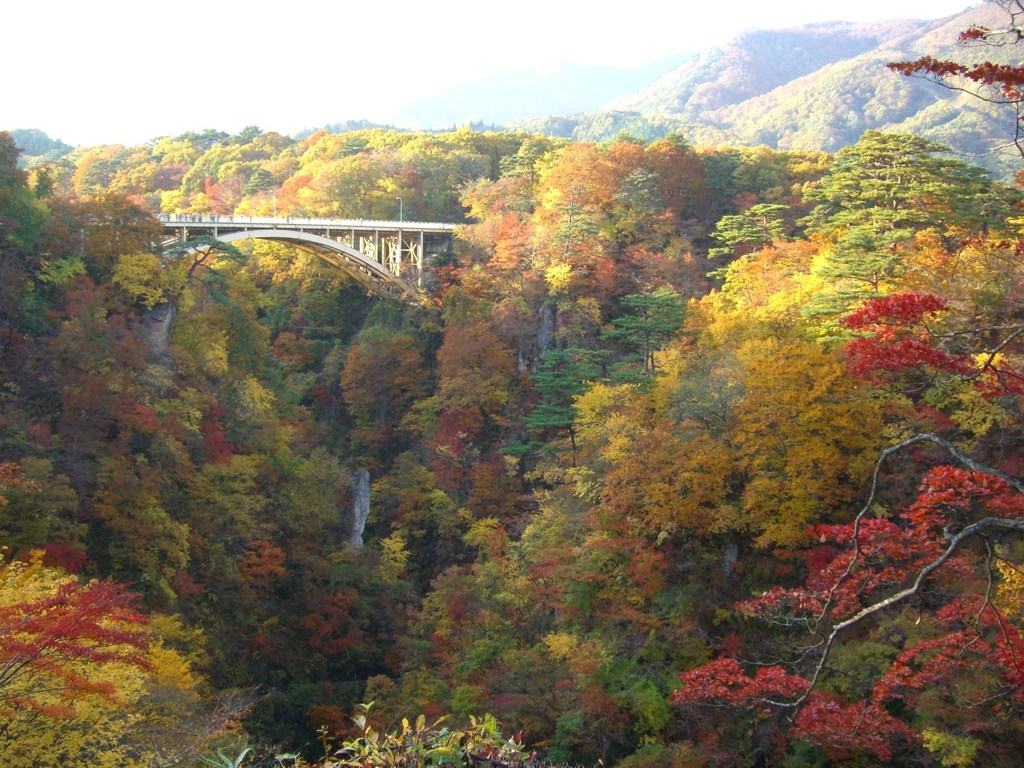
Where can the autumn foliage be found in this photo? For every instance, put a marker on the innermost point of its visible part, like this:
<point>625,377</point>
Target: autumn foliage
<point>54,635</point>
<point>693,456</point>
<point>933,556</point>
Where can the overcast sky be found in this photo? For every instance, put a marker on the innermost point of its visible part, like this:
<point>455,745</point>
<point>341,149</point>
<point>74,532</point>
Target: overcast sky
<point>116,71</point>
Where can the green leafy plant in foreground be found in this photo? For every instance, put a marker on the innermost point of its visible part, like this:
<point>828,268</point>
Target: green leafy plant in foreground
<point>224,761</point>
<point>480,743</point>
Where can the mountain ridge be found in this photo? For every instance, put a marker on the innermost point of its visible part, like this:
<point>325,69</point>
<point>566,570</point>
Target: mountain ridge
<point>813,87</point>
<point>758,61</point>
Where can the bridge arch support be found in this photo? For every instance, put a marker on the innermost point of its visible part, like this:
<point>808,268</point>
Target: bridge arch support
<point>368,272</point>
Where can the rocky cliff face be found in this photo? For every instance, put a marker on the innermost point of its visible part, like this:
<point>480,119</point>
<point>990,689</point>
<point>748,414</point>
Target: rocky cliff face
<point>360,506</point>
<point>155,329</point>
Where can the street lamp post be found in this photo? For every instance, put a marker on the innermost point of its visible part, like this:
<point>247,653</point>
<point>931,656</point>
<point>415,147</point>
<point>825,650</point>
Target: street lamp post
<point>401,209</point>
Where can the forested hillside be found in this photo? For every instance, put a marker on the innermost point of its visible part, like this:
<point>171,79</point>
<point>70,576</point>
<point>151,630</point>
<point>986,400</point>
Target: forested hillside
<point>689,457</point>
<point>817,87</point>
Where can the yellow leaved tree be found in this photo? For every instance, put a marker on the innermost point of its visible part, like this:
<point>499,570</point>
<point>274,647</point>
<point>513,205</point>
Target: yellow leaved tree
<point>87,680</point>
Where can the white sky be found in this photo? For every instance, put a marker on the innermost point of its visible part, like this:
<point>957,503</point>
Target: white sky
<point>115,71</point>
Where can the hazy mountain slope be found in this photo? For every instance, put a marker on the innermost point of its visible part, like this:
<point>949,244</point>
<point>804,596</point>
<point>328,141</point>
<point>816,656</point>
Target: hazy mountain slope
<point>523,94</point>
<point>757,62</point>
<point>814,87</point>
<point>831,107</point>
<point>35,143</point>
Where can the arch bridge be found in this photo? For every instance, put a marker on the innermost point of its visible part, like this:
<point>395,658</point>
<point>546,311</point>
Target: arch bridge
<point>387,257</point>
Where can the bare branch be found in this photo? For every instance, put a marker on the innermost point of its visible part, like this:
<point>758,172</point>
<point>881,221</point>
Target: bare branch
<point>974,529</point>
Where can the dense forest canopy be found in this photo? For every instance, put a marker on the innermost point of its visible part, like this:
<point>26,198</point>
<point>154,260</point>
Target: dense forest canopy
<point>695,456</point>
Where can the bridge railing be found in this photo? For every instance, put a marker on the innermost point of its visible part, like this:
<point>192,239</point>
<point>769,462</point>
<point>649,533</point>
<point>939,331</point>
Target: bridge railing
<point>180,219</point>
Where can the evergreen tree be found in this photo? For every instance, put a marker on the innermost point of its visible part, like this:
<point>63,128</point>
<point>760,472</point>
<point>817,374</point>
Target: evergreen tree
<point>562,375</point>
<point>879,193</point>
<point>745,232</point>
<point>653,319</point>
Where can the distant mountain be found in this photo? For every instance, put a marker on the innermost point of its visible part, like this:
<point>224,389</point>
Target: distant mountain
<point>523,94</point>
<point>813,87</point>
<point>757,62</point>
<point>346,126</point>
<point>35,144</point>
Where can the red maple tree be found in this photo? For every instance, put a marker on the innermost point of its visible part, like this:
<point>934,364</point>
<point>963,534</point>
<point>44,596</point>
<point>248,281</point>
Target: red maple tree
<point>49,643</point>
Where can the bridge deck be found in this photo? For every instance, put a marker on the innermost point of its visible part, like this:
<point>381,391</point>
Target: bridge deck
<point>211,220</point>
